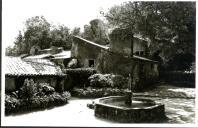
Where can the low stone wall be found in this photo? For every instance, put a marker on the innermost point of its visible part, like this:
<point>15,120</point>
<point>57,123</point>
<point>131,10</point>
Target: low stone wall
<point>154,113</point>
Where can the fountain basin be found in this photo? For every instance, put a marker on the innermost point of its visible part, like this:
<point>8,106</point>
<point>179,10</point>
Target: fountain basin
<point>142,110</point>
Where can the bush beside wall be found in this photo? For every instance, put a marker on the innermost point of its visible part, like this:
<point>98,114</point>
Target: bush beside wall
<point>15,105</point>
<point>33,96</point>
<point>92,92</point>
<point>79,76</point>
<point>108,80</point>
<point>187,79</point>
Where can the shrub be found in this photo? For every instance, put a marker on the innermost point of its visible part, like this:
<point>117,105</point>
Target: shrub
<point>11,103</point>
<point>96,92</point>
<point>100,80</point>
<point>14,105</point>
<point>79,76</point>
<point>37,97</point>
<point>119,81</point>
<point>45,88</point>
<point>108,80</point>
<point>29,88</point>
<point>178,76</point>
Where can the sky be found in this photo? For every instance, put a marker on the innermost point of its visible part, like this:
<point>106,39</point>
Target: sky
<point>71,13</point>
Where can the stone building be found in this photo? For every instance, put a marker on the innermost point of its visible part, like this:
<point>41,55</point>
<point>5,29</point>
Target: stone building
<point>116,59</point>
<point>87,52</point>
<point>40,70</point>
<point>121,43</point>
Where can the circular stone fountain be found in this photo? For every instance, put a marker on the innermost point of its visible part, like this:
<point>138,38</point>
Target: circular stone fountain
<point>142,110</point>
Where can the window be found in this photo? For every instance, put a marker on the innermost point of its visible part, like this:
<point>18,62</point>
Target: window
<point>141,53</point>
<point>91,63</point>
<point>137,53</point>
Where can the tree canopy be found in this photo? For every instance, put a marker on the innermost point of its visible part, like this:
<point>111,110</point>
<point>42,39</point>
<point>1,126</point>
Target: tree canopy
<point>170,26</point>
<point>96,31</point>
<point>39,32</point>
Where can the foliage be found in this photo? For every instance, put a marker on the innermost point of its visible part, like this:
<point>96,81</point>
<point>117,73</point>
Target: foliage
<point>15,105</point>
<point>119,81</point>
<point>170,26</point>
<point>80,76</point>
<point>99,80</point>
<point>34,96</point>
<point>179,77</point>
<point>76,31</point>
<point>45,89</point>
<point>60,36</point>
<point>108,80</point>
<point>39,32</point>
<point>181,62</point>
<point>29,89</point>
<point>92,92</point>
<point>96,32</point>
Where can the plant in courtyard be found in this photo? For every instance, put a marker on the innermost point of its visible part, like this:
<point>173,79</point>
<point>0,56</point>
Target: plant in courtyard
<point>100,80</point>
<point>38,96</point>
<point>92,92</point>
<point>29,88</point>
<point>79,76</point>
<point>45,89</point>
<point>108,80</point>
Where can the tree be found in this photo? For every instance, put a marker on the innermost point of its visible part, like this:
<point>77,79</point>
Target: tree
<point>37,32</point>
<point>169,25</point>
<point>18,48</point>
<point>76,31</point>
<point>61,37</point>
<point>96,32</point>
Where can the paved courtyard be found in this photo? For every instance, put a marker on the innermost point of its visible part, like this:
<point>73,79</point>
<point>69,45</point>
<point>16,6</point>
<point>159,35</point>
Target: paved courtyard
<point>76,113</point>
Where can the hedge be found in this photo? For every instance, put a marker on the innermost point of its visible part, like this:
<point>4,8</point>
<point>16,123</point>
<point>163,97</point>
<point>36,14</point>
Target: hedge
<point>100,80</point>
<point>92,92</point>
<point>15,105</point>
<point>33,96</point>
<point>108,80</point>
<point>178,77</point>
<point>79,76</point>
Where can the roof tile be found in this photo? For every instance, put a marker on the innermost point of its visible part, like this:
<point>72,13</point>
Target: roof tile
<point>18,66</point>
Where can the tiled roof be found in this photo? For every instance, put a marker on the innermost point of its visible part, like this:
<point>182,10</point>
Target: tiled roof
<point>93,43</point>
<point>20,67</point>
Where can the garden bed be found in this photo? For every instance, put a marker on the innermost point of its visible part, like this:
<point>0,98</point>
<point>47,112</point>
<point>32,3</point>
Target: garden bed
<point>34,96</point>
<point>92,92</point>
<point>15,105</point>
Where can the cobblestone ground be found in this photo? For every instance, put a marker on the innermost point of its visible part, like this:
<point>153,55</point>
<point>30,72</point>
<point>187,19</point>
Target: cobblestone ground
<point>179,110</point>
<point>76,113</point>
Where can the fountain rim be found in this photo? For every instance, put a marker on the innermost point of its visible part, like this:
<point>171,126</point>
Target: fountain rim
<point>98,102</point>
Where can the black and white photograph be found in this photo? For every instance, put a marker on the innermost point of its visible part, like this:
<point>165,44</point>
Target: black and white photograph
<point>98,63</point>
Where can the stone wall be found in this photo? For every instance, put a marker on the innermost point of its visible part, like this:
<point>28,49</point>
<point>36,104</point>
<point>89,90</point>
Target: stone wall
<point>85,52</point>
<point>109,61</point>
<point>10,84</point>
<point>121,43</point>
<point>144,72</point>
